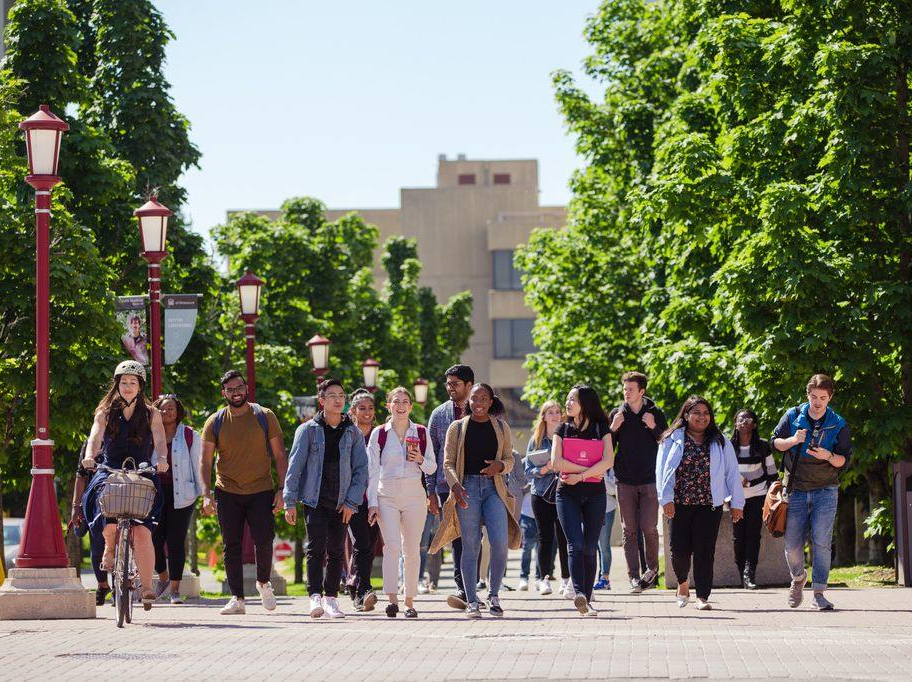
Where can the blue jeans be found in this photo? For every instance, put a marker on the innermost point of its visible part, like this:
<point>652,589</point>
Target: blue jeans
<point>581,511</point>
<point>813,510</point>
<point>485,507</point>
<point>530,542</point>
<point>604,542</point>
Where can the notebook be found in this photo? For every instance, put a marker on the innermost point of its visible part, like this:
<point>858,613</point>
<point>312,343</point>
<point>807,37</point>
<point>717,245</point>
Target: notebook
<point>583,452</point>
<point>539,457</point>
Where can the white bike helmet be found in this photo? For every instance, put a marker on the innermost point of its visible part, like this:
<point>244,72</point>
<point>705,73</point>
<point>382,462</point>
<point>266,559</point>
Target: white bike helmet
<point>130,367</point>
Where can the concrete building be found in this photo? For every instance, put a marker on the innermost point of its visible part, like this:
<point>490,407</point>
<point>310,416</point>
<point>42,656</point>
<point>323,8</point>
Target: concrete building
<point>468,228</point>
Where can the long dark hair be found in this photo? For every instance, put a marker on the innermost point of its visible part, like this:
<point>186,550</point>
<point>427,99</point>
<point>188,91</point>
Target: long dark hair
<point>755,434</point>
<point>713,433</point>
<point>590,406</point>
<point>112,405</point>
<point>497,408</point>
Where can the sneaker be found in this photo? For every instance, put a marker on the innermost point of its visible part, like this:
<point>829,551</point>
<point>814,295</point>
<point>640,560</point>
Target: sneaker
<point>358,602</point>
<point>523,585</point>
<point>602,584</point>
<point>422,588</point>
<point>650,579</point>
<point>101,593</point>
<point>590,612</point>
<point>432,588</point>
<point>544,587</point>
<point>495,609</point>
<point>316,606</point>
<point>392,610</point>
<point>267,595</point>
<point>370,600</point>
<point>682,599</point>
<point>795,591</point>
<point>234,607</point>
<point>481,585</point>
<point>176,598</point>
<point>581,604</point>
<point>703,605</point>
<point>564,585</point>
<point>160,587</point>
<point>569,592</point>
<point>457,600</point>
<point>410,612</point>
<point>331,606</point>
<point>821,603</point>
<point>472,611</point>
<point>635,586</point>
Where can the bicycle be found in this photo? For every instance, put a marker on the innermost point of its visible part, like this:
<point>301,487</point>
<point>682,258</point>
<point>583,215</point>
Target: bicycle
<point>127,500</point>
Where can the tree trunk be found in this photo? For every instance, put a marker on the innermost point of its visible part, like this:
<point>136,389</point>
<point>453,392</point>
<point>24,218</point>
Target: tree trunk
<point>905,230</point>
<point>877,491</point>
<point>845,528</point>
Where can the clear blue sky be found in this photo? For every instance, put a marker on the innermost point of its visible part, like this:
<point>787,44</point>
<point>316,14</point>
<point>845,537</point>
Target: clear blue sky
<point>349,101</point>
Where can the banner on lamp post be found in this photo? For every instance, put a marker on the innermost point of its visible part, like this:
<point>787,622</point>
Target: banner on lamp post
<point>131,314</point>
<point>180,321</point>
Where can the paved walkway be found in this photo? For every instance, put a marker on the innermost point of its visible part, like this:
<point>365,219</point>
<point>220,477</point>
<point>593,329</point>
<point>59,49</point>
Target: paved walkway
<point>749,635</point>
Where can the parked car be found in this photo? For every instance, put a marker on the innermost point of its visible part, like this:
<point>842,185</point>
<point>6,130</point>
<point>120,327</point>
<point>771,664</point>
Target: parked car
<point>12,536</point>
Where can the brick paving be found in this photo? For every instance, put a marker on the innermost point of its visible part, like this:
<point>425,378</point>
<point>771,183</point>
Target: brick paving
<point>748,635</point>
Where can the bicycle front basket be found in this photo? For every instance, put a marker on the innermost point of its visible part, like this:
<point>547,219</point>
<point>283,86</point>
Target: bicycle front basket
<point>126,495</point>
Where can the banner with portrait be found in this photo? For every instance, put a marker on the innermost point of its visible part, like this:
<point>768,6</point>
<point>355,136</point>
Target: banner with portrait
<point>131,314</point>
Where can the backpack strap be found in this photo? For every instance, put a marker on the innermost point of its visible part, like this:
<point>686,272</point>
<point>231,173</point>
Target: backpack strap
<point>217,424</point>
<point>381,440</point>
<point>422,438</point>
<point>264,424</point>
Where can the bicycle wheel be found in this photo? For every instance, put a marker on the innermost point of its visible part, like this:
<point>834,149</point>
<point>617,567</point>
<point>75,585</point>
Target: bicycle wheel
<point>122,576</point>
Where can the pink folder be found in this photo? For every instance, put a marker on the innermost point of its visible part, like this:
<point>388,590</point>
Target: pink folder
<point>583,452</point>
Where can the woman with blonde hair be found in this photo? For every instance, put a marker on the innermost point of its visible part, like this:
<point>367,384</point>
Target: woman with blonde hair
<point>544,482</point>
<point>399,455</point>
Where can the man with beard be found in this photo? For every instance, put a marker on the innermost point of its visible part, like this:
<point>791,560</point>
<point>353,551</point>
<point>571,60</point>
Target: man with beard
<point>244,435</point>
<point>459,380</point>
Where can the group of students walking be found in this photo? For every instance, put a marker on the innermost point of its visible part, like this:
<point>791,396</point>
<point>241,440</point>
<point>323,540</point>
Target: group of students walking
<point>352,476</point>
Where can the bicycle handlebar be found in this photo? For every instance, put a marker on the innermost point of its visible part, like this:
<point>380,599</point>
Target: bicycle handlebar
<point>143,468</point>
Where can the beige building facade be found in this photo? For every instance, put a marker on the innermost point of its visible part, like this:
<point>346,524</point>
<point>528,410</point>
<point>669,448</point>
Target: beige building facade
<point>468,227</point>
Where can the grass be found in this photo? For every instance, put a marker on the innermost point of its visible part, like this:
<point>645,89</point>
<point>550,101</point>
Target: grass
<point>861,576</point>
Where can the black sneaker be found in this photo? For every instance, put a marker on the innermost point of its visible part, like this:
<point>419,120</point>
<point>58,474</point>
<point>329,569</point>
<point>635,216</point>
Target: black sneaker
<point>649,579</point>
<point>495,609</point>
<point>101,594</point>
<point>358,602</point>
<point>457,600</point>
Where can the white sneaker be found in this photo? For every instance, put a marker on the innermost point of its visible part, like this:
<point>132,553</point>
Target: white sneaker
<point>234,607</point>
<point>564,585</point>
<point>422,588</point>
<point>544,587</point>
<point>569,592</point>
<point>591,612</point>
<point>523,585</point>
<point>331,605</point>
<point>267,595</point>
<point>316,606</point>
<point>703,605</point>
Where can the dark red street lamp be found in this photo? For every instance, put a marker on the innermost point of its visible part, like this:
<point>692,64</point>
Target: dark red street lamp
<point>370,369</point>
<point>421,391</point>
<point>152,218</point>
<point>319,354</point>
<point>249,287</point>
<point>42,539</point>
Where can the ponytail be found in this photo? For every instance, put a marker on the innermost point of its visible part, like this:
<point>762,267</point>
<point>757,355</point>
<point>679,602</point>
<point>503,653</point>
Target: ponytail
<point>497,408</point>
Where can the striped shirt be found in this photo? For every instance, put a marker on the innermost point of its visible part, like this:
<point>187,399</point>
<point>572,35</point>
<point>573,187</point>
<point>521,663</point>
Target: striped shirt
<point>757,470</point>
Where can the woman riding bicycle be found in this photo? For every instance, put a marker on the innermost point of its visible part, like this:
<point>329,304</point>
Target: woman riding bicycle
<point>126,426</point>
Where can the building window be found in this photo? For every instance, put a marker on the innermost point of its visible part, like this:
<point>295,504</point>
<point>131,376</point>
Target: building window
<point>467,178</point>
<point>501,178</point>
<point>513,338</point>
<point>506,277</point>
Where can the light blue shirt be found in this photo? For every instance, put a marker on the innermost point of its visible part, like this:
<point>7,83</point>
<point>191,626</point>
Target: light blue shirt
<point>724,479</point>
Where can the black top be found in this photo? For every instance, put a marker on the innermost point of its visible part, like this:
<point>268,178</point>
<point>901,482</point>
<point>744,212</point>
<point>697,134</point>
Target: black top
<point>480,444</point>
<point>595,431</point>
<point>635,445</point>
<point>692,484</point>
<point>329,484</point>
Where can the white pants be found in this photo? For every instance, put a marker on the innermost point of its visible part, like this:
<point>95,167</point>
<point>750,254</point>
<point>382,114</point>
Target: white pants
<point>403,510</point>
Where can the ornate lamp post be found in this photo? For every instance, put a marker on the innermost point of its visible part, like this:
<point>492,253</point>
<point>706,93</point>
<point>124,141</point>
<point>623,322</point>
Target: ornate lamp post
<point>319,354</point>
<point>43,585</point>
<point>249,288</point>
<point>421,391</point>
<point>152,218</point>
<point>42,540</point>
<point>370,368</point>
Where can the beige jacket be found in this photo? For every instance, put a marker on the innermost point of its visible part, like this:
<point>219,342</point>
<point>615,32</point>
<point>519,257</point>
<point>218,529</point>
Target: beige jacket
<point>454,466</point>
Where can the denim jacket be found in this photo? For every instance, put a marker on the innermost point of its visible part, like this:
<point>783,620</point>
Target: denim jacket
<point>724,479</point>
<point>305,466</point>
<point>540,481</point>
<point>185,467</point>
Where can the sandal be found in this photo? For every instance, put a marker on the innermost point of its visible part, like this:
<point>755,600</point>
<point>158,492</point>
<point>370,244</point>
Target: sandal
<point>411,613</point>
<point>392,610</point>
<point>148,599</point>
<point>107,561</point>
